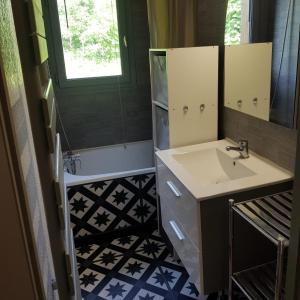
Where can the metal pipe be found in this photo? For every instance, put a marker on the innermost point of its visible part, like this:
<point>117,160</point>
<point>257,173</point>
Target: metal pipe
<point>279,268</point>
<point>231,203</point>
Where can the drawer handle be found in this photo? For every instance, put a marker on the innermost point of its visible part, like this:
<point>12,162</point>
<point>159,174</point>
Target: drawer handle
<point>177,231</point>
<point>173,188</point>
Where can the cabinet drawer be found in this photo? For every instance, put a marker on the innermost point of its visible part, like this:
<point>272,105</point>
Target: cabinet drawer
<point>175,197</point>
<point>188,253</point>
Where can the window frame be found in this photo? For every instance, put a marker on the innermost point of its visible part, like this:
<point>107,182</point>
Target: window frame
<point>245,21</point>
<point>101,81</point>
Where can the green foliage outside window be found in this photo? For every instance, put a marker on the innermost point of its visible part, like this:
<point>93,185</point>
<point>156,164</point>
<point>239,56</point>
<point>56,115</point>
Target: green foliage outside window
<point>92,32</point>
<point>233,23</point>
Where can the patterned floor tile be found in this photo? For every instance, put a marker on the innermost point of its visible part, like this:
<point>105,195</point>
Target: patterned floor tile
<point>82,232</point>
<point>137,267</point>
<point>134,268</point>
<point>107,258</point>
<point>112,204</point>
<point>171,276</point>
<point>151,248</point>
<point>135,180</point>
<point>120,197</point>
<point>115,290</point>
<point>149,210</point>
<point>80,204</point>
<point>138,211</point>
<point>190,290</point>
<point>159,279</point>
<point>89,279</point>
<point>122,224</point>
<point>86,251</point>
<point>101,219</point>
<point>170,259</point>
<point>152,191</point>
<point>146,178</point>
<point>125,242</point>
<point>155,233</point>
<point>146,295</point>
<point>98,188</point>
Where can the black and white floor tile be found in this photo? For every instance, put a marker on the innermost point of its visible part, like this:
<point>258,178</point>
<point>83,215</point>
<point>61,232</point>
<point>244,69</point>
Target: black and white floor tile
<point>137,267</point>
<point>112,204</point>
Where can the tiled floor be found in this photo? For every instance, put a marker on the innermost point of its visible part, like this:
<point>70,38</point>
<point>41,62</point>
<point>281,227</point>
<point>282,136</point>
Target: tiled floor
<point>138,267</point>
<point>112,204</point>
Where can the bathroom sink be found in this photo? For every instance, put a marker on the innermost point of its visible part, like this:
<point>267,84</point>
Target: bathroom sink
<point>208,170</point>
<point>218,166</point>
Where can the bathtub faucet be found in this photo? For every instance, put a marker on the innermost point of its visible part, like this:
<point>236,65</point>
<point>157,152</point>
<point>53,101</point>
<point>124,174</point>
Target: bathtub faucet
<point>70,162</point>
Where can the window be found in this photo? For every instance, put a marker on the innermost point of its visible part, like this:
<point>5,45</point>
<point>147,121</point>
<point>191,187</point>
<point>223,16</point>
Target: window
<point>89,41</point>
<point>237,22</point>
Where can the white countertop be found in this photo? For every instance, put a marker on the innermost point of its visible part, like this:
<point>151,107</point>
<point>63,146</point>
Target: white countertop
<point>264,172</point>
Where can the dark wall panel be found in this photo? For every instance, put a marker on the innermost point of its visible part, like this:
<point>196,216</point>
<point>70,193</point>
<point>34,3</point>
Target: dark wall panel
<point>267,139</point>
<point>283,106</point>
<point>93,117</point>
<point>271,22</point>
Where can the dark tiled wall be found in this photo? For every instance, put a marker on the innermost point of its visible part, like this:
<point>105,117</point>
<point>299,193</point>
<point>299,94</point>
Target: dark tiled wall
<point>267,139</point>
<point>283,106</point>
<point>211,22</point>
<point>270,20</point>
<point>92,116</point>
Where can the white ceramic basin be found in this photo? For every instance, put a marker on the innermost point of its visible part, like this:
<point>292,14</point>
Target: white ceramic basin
<point>208,170</point>
<point>212,166</point>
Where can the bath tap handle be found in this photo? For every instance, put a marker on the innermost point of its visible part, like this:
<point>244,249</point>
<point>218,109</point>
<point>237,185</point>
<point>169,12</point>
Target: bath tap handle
<point>79,161</point>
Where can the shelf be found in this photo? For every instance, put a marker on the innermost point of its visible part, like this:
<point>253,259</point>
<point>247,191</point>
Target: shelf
<point>161,105</point>
<point>257,283</point>
<point>154,51</point>
<point>271,215</point>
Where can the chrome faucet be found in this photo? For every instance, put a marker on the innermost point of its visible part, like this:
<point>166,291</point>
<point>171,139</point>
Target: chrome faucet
<point>242,149</point>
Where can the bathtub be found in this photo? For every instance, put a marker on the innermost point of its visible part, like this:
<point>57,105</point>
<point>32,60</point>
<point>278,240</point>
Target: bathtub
<point>111,162</point>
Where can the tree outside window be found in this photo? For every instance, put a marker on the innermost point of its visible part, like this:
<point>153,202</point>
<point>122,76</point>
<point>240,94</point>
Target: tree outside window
<point>233,22</point>
<point>90,38</point>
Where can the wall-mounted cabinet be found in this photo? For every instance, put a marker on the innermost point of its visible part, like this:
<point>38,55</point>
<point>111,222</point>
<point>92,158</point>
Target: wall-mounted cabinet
<point>184,84</point>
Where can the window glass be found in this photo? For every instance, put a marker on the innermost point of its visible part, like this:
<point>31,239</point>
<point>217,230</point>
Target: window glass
<point>90,38</point>
<point>237,22</point>
<point>233,22</point>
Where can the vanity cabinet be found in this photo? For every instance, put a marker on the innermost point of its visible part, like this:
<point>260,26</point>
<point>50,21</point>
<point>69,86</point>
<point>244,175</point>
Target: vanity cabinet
<point>198,230</point>
<point>184,88</point>
<point>179,219</point>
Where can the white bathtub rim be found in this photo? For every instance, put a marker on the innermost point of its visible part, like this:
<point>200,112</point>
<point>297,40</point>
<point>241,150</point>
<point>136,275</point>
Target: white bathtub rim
<point>109,146</point>
<point>72,180</point>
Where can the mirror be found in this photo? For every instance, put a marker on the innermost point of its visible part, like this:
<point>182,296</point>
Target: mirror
<point>247,73</point>
<point>276,21</point>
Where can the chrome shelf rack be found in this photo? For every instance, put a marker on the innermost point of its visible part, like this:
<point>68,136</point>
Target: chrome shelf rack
<point>271,216</point>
